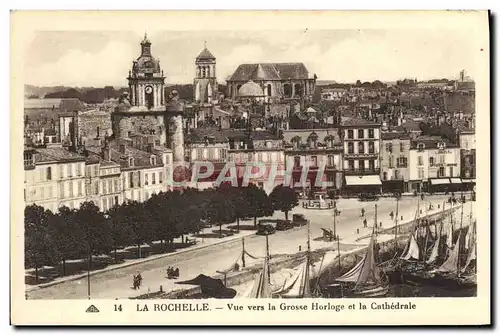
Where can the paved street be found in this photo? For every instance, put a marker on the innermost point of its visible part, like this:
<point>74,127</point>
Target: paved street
<point>116,283</point>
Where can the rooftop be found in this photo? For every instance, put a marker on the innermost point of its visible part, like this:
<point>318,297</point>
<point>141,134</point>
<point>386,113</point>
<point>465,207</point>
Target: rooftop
<point>47,155</point>
<point>270,71</point>
<point>349,122</point>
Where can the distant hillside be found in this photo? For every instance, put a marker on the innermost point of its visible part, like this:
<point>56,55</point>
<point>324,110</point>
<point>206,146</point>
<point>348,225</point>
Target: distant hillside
<point>325,82</point>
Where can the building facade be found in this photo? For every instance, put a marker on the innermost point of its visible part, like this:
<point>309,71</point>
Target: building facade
<point>320,150</point>
<point>205,81</point>
<point>394,162</point>
<point>361,158</point>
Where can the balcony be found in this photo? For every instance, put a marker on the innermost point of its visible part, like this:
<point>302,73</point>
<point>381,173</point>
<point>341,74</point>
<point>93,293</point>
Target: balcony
<point>361,155</point>
<point>361,172</point>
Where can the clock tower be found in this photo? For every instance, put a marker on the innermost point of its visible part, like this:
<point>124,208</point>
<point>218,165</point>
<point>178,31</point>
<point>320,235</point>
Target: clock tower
<point>146,80</point>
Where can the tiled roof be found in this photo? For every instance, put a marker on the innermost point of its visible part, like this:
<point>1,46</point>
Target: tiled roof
<point>141,158</point>
<point>270,71</point>
<point>205,54</point>
<point>358,122</point>
<point>394,135</point>
<point>41,103</point>
<point>57,155</point>
<point>431,142</point>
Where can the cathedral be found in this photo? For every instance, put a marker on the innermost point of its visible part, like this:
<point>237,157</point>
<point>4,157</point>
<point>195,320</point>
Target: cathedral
<point>145,112</point>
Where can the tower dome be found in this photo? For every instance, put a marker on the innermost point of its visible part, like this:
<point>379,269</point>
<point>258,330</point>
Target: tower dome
<point>250,89</point>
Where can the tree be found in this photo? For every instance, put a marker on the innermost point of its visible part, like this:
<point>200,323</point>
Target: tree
<point>64,230</point>
<point>258,203</point>
<point>37,240</point>
<point>283,199</point>
<point>120,232</point>
<point>138,223</point>
<point>220,211</point>
<point>93,230</point>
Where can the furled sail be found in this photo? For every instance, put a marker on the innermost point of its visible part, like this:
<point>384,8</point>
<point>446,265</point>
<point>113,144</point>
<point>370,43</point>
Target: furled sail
<point>299,288</point>
<point>261,287</point>
<point>369,272</point>
<point>413,250</point>
<point>472,249</point>
<point>290,282</point>
<point>451,264</point>
<point>353,275</point>
<point>435,250</point>
<point>449,236</point>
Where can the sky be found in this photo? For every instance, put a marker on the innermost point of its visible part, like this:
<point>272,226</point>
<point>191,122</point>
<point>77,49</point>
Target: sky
<point>91,58</point>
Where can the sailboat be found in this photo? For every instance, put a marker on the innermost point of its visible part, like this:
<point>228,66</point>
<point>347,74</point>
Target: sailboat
<point>298,286</point>
<point>261,286</point>
<point>365,279</point>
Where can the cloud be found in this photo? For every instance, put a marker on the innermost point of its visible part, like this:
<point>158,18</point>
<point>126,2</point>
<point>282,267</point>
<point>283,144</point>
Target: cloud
<point>76,67</point>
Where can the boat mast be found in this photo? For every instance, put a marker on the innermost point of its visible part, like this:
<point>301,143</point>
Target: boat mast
<point>427,231</point>
<point>375,217</point>
<point>458,242</point>
<point>243,253</point>
<point>335,222</point>
<point>305,291</point>
<point>268,260</point>
<point>396,228</point>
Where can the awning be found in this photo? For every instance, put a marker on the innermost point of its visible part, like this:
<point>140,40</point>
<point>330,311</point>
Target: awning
<point>443,181</point>
<point>469,181</point>
<point>456,180</point>
<point>362,180</point>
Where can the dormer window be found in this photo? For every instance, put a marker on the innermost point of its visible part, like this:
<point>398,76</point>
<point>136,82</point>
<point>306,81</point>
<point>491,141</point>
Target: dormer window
<point>152,160</point>
<point>441,145</point>
<point>131,161</point>
<point>421,147</point>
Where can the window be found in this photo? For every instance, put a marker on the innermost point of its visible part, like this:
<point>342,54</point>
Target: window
<point>350,147</point>
<point>420,173</point>
<point>131,161</point>
<point>385,175</point>
<point>431,161</point>
<point>116,200</point>
<point>153,160</point>
<point>138,179</point>
<point>61,171</point>
<point>314,161</point>
<point>388,147</point>
<point>71,189</point>
<point>451,171</point>
<point>131,179</point>
<point>351,164</point>
<point>371,147</point>
<point>78,172</point>
<point>390,162</point>
<point>110,185</point>
<point>401,147</point>
<point>420,146</point>
<point>96,187</point>
<point>70,170</point>
<point>154,178</point>
<point>350,134</point>
<point>362,165</point>
<point>371,165</point>
<point>420,160</point>
<point>96,170</point>
<point>49,173</point>
<point>160,177</point>
<point>442,159</point>
<point>331,160</point>
<point>296,161</point>
<point>361,147</point>
<point>441,172</point>
<point>80,188</point>
<point>371,133</point>
<point>396,174</point>
<point>402,162</point>
<point>117,185</point>
<point>361,133</point>
<point>146,179</point>
<point>104,187</point>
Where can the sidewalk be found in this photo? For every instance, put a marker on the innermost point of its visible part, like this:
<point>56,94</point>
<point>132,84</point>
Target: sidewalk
<point>202,243</point>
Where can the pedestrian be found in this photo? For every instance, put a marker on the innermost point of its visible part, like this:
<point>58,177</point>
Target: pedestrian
<point>422,196</point>
<point>392,215</point>
<point>380,224</point>
<point>362,212</point>
<point>357,231</point>
<point>365,224</point>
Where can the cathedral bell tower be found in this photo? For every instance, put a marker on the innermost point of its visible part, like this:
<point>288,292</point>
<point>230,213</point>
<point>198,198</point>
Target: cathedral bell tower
<point>205,80</point>
<point>146,80</point>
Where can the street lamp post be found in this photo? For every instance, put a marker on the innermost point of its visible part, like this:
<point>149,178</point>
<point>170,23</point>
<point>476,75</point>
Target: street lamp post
<point>88,271</point>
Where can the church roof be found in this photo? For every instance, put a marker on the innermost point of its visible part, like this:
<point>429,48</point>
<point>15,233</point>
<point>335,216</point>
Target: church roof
<point>270,71</point>
<point>250,89</point>
<point>205,54</point>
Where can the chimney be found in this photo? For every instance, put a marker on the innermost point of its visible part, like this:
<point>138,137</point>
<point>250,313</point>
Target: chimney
<point>106,152</point>
<point>123,148</point>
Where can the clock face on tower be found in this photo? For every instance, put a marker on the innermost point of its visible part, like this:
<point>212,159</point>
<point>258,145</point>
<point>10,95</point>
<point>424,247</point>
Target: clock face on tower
<point>149,89</point>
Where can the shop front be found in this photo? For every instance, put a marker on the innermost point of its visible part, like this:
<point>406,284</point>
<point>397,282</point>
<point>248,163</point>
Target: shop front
<point>355,185</point>
<point>439,185</point>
